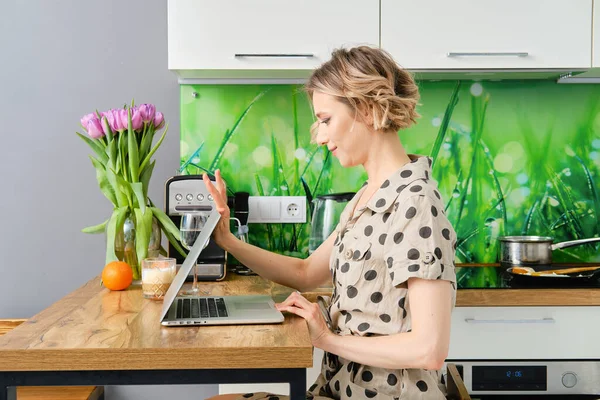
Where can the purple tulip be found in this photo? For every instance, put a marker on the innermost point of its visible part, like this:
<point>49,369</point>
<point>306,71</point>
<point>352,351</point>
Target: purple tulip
<point>105,124</point>
<point>159,120</point>
<point>148,111</point>
<point>94,128</point>
<point>108,116</point>
<point>84,120</point>
<point>134,109</point>
<point>136,119</point>
<point>123,118</point>
<point>114,121</point>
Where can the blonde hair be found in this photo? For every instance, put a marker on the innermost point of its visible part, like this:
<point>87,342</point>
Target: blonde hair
<point>368,80</point>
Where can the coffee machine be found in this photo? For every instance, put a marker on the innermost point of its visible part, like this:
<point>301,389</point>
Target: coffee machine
<point>188,193</point>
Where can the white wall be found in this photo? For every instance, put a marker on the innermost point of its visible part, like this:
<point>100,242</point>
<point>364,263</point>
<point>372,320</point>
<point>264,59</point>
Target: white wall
<point>60,59</point>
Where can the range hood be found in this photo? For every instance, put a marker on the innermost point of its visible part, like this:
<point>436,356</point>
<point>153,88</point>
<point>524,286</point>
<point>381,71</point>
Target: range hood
<point>497,74</point>
<point>591,76</point>
<point>251,76</point>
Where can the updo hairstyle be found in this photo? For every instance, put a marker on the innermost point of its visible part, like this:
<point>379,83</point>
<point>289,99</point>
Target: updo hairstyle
<point>369,81</point>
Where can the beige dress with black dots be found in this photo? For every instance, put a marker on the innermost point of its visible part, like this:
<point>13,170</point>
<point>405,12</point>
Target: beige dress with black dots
<point>401,232</point>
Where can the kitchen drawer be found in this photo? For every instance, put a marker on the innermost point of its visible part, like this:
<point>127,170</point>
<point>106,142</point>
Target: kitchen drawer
<point>525,333</point>
<point>490,34</point>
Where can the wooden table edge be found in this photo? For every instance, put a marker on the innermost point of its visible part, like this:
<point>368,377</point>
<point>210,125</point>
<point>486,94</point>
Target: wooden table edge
<point>155,359</point>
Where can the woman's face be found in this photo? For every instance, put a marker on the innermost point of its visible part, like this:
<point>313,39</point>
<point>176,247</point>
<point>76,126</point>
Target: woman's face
<point>340,129</point>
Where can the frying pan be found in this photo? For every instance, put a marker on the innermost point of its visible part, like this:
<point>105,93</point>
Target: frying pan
<point>555,277</point>
<point>532,250</point>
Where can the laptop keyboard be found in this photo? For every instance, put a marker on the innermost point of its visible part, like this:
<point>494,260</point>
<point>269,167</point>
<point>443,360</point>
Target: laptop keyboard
<point>201,308</point>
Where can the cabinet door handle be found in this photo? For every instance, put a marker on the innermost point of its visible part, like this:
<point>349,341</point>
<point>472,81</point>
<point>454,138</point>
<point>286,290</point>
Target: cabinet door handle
<point>487,54</point>
<point>274,55</point>
<point>548,320</point>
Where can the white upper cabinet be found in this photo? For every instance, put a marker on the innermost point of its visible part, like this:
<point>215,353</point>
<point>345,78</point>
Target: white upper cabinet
<point>265,34</point>
<point>596,40</point>
<point>488,34</point>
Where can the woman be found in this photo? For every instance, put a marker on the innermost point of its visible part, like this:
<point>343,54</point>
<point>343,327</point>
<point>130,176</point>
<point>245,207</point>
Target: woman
<point>391,256</point>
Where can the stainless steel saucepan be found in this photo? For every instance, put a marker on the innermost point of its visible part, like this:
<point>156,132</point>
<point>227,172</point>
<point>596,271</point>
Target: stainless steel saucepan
<point>532,250</point>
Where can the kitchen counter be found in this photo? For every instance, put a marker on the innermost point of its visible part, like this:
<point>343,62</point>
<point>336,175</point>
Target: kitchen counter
<point>488,297</point>
<point>527,297</point>
<point>564,293</point>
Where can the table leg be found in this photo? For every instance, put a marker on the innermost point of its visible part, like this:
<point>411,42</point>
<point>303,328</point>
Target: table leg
<point>8,392</point>
<point>298,385</point>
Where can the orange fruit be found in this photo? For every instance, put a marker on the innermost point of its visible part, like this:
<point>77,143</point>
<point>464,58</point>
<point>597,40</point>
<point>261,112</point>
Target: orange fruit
<point>117,275</point>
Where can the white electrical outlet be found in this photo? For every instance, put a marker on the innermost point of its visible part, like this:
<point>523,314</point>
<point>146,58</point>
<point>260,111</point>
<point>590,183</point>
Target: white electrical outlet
<point>277,209</point>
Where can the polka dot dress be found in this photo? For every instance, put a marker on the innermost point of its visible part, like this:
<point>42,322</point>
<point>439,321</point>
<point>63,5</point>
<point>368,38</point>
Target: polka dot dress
<point>402,232</point>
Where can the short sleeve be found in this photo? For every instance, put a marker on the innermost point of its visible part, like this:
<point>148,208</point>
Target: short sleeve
<point>420,242</point>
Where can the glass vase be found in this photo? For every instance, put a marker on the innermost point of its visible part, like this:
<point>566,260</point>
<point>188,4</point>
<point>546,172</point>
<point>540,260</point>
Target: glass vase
<point>125,246</point>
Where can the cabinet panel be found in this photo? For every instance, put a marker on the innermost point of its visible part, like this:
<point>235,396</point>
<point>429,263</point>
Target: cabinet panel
<point>524,333</point>
<point>498,333</point>
<point>266,34</point>
<point>490,34</point>
<point>596,35</point>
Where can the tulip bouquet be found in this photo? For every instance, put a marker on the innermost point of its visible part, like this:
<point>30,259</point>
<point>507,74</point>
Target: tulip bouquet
<point>122,140</point>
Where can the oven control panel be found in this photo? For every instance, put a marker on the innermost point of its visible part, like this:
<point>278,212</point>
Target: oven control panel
<point>509,377</point>
<point>576,377</point>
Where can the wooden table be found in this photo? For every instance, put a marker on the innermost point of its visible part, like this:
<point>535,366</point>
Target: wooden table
<point>97,337</point>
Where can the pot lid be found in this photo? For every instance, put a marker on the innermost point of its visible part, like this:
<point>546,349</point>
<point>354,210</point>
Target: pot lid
<point>526,239</point>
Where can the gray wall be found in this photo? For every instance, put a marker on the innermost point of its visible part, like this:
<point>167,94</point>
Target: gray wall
<point>59,60</point>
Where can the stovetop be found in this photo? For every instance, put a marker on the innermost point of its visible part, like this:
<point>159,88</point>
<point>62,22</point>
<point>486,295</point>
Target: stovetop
<point>536,397</point>
<point>499,278</point>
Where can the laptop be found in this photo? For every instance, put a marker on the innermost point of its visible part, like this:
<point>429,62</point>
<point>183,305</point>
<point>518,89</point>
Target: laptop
<point>213,310</point>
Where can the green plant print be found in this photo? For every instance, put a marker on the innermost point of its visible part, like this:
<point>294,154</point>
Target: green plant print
<point>510,157</point>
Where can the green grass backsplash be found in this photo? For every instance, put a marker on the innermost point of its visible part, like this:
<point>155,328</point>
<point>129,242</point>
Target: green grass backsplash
<point>511,157</point>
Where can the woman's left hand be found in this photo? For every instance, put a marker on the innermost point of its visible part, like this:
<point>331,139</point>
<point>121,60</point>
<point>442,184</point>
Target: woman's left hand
<point>296,304</point>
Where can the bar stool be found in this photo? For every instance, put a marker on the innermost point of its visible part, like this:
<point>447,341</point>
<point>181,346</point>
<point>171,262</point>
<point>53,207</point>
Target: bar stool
<point>455,386</point>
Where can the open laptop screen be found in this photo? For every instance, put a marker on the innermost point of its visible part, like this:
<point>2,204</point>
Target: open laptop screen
<point>191,258</point>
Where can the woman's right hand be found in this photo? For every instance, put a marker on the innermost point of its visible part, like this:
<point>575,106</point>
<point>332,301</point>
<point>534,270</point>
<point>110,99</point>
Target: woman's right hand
<point>219,195</point>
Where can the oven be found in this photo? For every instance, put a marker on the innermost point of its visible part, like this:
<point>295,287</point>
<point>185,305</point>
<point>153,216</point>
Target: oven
<point>521,350</point>
<point>531,378</point>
